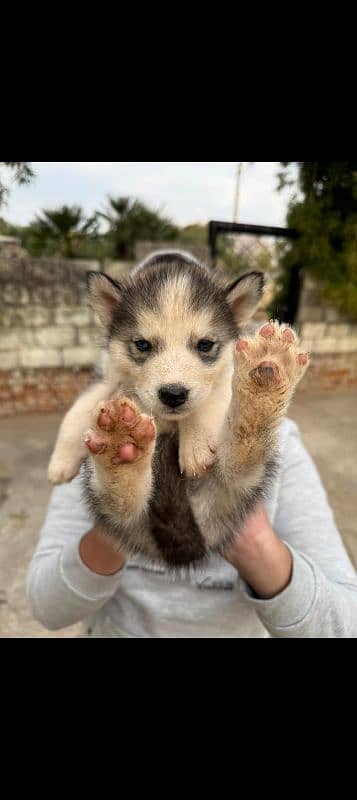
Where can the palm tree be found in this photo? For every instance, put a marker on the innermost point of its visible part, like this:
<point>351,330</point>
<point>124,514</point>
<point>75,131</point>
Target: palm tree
<point>131,221</point>
<point>62,229</point>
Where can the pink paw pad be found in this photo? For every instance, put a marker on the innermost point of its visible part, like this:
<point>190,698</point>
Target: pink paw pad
<point>270,368</point>
<point>303,359</point>
<point>266,374</point>
<point>268,331</point>
<point>128,415</point>
<point>289,336</point>
<point>242,346</point>
<point>105,421</point>
<point>126,455</point>
<point>95,444</point>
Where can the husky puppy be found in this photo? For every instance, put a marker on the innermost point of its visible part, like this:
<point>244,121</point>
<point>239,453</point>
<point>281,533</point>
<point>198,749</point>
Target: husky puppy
<point>179,435</point>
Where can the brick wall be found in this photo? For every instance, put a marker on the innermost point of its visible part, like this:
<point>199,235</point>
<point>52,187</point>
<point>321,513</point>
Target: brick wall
<point>32,390</point>
<point>331,371</point>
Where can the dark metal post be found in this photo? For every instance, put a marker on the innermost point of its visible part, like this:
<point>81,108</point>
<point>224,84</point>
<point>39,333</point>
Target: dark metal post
<point>212,235</point>
<point>217,228</point>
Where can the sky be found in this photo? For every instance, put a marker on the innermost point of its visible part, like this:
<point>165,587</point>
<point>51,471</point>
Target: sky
<point>187,191</point>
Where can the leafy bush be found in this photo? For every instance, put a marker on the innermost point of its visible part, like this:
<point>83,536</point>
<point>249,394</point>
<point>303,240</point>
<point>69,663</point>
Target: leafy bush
<point>324,212</point>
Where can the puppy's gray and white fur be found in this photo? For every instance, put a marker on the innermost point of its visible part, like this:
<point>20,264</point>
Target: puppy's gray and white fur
<point>171,333</point>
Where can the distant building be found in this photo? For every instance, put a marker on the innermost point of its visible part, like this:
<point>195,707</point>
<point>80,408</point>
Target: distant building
<point>256,251</point>
<point>10,247</point>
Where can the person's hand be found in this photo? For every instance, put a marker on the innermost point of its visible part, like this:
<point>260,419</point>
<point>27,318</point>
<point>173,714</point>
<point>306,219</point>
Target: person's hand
<point>99,554</point>
<point>260,557</point>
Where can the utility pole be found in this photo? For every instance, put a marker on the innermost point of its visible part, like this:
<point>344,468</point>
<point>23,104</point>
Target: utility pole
<point>237,191</point>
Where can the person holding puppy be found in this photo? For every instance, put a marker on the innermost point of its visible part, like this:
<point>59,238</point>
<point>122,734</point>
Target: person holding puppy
<point>287,574</point>
<point>204,515</point>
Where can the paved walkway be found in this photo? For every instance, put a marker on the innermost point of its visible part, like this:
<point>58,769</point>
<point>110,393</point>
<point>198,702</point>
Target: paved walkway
<point>328,423</point>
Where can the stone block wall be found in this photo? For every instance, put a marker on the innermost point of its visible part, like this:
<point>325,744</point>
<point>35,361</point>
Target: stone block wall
<point>45,321</point>
<point>324,338</point>
<point>330,339</point>
<point>49,338</point>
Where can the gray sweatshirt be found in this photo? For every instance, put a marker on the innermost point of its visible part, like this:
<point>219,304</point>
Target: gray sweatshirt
<point>143,601</point>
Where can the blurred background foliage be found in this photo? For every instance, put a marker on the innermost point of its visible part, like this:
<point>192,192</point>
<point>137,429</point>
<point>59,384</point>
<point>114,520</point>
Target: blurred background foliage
<point>323,210</point>
<point>18,172</point>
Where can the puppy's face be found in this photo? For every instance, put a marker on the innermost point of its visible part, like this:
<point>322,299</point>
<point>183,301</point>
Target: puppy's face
<point>171,330</point>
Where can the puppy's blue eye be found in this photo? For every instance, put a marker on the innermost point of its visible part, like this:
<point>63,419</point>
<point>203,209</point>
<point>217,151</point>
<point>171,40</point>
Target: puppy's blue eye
<point>205,346</point>
<point>143,346</point>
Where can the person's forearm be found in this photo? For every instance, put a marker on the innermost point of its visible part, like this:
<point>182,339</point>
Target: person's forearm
<point>291,595</point>
<point>74,573</point>
<point>98,554</point>
<point>261,558</point>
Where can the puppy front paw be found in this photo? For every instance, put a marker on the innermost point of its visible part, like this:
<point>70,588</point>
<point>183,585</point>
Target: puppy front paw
<point>120,434</point>
<point>197,458</point>
<point>271,361</point>
<point>64,466</point>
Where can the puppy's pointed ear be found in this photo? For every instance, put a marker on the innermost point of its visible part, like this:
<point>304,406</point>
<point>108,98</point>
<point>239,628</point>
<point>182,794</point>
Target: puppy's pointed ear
<point>104,295</point>
<point>245,294</point>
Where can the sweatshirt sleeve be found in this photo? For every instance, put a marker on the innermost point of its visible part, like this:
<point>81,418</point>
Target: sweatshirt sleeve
<point>61,589</point>
<point>321,600</point>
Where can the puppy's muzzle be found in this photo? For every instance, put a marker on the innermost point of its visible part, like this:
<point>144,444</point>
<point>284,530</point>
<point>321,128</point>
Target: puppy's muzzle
<point>174,395</point>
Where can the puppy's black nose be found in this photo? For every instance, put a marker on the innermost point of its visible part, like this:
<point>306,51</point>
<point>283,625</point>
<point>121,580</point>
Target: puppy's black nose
<point>173,395</point>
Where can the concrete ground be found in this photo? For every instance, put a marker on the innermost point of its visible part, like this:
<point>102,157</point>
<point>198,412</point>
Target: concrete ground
<point>328,424</point>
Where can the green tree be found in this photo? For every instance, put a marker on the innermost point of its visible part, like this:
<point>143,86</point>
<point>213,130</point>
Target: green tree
<point>5,228</point>
<point>131,221</point>
<point>324,212</point>
<point>194,234</point>
<point>60,232</point>
<point>20,172</point>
